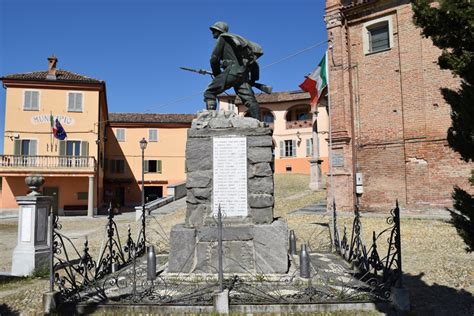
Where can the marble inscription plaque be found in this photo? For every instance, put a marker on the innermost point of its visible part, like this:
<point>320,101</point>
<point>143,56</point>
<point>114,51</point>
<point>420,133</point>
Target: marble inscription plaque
<point>26,218</point>
<point>230,175</point>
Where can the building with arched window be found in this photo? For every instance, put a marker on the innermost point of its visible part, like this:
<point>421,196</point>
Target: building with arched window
<point>299,133</point>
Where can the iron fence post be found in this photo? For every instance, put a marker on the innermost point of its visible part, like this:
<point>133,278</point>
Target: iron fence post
<point>219,228</point>
<point>398,244</point>
<point>51,249</point>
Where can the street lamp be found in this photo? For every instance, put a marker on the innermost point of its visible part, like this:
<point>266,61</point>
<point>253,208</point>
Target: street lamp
<point>143,144</point>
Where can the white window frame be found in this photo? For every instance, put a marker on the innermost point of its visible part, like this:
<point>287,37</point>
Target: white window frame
<point>149,135</point>
<point>24,99</point>
<point>67,102</point>
<point>373,23</point>
<point>117,134</point>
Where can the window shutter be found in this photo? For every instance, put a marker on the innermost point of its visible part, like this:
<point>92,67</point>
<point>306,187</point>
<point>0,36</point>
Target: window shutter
<point>112,165</point>
<point>121,166</point>
<point>293,148</point>
<point>84,148</point>
<point>146,166</point>
<point>35,100</point>
<point>17,147</point>
<point>308,147</point>
<point>282,149</point>
<point>70,106</point>
<point>33,150</point>
<point>158,166</point>
<point>78,102</point>
<point>27,101</point>
<point>62,148</point>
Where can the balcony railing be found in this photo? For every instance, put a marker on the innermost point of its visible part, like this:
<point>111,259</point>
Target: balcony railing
<point>10,162</point>
<point>298,124</point>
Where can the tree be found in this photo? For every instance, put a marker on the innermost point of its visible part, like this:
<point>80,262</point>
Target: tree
<point>450,25</point>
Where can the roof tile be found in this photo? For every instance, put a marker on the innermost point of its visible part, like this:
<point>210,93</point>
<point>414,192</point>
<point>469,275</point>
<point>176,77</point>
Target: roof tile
<point>61,75</point>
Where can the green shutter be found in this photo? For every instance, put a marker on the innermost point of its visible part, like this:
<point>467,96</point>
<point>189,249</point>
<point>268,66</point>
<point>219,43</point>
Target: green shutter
<point>282,149</point>
<point>62,148</point>
<point>158,166</point>
<point>146,166</point>
<point>293,148</point>
<point>84,148</point>
<point>33,148</point>
<point>17,147</point>
<point>112,165</point>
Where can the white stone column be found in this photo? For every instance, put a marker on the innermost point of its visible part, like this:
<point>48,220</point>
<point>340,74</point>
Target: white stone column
<point>32,251</point>
<point>315,162</point>
<point>90,197</point>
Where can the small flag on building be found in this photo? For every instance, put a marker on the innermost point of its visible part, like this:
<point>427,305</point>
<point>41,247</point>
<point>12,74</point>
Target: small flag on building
<point>316,82</point>
<point>58,131</point>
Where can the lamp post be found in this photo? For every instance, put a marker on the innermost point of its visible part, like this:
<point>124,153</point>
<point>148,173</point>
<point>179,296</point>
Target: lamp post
<point>143,144</point>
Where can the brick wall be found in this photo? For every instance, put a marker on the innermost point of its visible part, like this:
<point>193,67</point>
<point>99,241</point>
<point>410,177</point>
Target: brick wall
<point>390,107</point>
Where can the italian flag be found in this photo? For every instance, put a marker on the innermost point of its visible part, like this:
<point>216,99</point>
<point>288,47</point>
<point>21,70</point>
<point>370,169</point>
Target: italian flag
<point>316,81</point>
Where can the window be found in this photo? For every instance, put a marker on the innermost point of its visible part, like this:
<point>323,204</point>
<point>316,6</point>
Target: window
<point>302,116</point>
<point>25,150</point>
<point>120,133</point>
<point>377,35</point>
<point>153,166</point>
<point>288,148</point>
<point>74,152</point>
<point>309,147</point>
<point>117,166</point>
<point>31,100</point>
<point>25,147</point>
<point>152,135</point>
<point>267,117</point>
<point>74,102</point>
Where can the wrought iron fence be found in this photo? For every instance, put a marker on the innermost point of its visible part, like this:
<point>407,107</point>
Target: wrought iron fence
<point>75,271</point>
<point>382,273</point>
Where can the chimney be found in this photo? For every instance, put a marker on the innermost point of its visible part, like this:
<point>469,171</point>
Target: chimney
<point>52,61</point>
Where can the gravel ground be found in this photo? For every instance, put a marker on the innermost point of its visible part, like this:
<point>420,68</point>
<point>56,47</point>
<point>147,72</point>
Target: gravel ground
<point>437,270</point>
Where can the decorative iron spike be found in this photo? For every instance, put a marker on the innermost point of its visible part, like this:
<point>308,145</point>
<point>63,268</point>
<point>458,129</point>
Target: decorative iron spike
<point>304,263</point>
<point>292,242</point>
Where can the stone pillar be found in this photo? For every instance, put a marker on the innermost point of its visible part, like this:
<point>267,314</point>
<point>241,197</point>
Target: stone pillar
<point>32,251</point>
<point>90,197</point>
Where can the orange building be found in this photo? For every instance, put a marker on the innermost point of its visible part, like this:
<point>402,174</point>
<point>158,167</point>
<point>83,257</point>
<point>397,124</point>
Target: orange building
<point>100,160</point>
<point>299,132</point>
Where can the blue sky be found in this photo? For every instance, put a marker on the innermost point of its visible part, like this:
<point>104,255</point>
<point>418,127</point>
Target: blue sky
<point>137,46</point>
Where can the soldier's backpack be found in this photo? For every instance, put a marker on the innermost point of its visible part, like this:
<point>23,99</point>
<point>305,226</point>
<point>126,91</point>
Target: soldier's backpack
<point>247,50</point>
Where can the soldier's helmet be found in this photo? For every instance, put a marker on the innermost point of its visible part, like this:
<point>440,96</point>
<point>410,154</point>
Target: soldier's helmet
<point>220,26</point>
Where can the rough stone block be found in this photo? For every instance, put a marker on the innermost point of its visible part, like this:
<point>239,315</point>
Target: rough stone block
<point>259,141</point>
<point>196,214</point>
<point>182,248</point>
<point>261,185</point>
<point>271,247</point>
<point>228,233</point>
<point>190,198</point>
<point>199,179</point>
<point>262,169</point>
<point>260,154</point>
<point>219,122</point>
<point>238,256</point>
<point>202,193</point>
<point>260,200</point>
<point>261,215</point>
<point>247,122</point>
<point>198,154</point>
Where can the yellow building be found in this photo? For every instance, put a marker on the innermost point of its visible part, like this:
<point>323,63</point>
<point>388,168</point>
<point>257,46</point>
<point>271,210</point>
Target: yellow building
<point>295,125</point>
<point>100,160</point>
<point>164,161</point>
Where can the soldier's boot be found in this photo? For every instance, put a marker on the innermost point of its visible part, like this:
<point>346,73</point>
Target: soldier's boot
<point>211,105</point>
<point>254,110</point>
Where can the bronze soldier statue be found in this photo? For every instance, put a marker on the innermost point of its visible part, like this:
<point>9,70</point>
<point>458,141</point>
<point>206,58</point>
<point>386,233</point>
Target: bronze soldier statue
<point>234,64</point>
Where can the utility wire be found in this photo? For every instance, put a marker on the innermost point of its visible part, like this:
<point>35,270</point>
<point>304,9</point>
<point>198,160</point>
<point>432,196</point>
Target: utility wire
<point>264,67</point>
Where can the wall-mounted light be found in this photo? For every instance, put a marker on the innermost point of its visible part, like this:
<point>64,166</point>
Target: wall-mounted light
<point>298,135</point>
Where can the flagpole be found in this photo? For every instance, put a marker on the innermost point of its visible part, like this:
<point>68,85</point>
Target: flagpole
<point>331,180</point>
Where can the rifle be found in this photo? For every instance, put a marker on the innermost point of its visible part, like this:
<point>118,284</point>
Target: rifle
<point>260,86</point>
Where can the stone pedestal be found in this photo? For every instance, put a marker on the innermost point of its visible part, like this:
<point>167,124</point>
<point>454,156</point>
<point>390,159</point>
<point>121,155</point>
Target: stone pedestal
<point>32,251</point>
<point>229,164</point>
